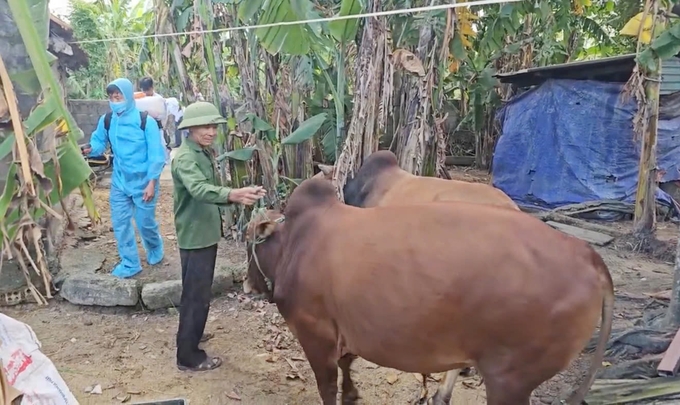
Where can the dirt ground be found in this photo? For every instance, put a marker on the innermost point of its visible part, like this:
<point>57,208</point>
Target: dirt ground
<point>130,353</point>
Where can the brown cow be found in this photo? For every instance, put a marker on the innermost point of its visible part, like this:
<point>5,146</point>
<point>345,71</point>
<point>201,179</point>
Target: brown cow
<point>381,182</point>
<point>431,288</point>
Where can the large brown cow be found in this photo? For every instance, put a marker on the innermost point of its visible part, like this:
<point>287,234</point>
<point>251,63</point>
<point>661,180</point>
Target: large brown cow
<point>431,288</point>
<point>381,182</point>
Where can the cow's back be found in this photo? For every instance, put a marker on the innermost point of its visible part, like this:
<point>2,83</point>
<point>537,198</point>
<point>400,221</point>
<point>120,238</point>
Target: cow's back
<point>410,189</point>
<point>477,276</point>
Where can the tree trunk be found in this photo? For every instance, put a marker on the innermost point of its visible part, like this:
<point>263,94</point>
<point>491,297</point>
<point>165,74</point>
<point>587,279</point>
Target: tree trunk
<point>644,222</point>
<point>369,95</point>
<point>645,203</point>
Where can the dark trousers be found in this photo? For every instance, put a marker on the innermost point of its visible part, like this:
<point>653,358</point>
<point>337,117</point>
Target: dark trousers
<point>198,269</point>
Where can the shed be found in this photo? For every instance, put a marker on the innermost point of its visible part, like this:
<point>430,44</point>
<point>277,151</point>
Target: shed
<point>60,44</point>
<point>64,55</point>
<point>616,69</point>
<point>567,138</point>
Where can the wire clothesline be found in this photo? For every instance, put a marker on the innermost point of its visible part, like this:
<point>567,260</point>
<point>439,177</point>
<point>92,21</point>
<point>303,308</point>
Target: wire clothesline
<point>310,21</point>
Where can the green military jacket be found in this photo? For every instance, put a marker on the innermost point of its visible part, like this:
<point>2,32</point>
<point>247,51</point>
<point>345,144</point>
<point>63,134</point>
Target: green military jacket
<point>197,196</point>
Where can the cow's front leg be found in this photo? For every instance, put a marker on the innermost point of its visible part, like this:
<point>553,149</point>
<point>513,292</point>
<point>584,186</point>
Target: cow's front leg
<point>322,358</point>
<point>349,392</point>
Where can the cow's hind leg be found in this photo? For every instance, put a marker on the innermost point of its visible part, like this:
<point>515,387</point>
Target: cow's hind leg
<point>445,390</point>
<point>321,356</point>
<point>349,392</point>
<point>501,390</point>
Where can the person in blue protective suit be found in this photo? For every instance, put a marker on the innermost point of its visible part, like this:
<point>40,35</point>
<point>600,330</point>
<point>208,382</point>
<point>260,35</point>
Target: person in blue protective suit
<point>139,159</point>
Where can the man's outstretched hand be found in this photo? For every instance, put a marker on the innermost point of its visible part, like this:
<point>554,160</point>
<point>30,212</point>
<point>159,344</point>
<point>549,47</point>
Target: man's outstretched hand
<point>247,195</point>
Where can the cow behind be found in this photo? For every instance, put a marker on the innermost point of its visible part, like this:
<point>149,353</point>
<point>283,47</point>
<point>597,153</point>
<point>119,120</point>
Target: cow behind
<point>381,182</point>
<point>415,289</point>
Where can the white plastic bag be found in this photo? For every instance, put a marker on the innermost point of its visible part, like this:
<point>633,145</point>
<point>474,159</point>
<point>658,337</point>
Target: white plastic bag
<point>28,369</point>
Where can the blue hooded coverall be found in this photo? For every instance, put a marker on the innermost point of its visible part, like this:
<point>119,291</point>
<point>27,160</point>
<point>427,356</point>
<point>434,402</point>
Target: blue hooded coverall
<point>139,157</point>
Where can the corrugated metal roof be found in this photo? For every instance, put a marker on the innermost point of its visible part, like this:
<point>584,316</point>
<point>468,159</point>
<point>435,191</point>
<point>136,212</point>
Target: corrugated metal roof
<point>614,69</point>
<point>670,76</point>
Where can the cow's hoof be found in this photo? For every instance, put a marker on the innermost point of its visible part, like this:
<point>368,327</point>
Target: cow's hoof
<point>438,400</point>
<point>420,401</point>
<point>350,398</point>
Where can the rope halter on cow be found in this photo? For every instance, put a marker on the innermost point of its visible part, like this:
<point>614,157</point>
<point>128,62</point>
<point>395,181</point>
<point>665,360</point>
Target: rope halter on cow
<point>253,256</point>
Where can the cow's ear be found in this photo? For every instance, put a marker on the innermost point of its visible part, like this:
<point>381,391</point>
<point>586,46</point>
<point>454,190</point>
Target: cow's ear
<point>326,170</point>
<point>264,229</point>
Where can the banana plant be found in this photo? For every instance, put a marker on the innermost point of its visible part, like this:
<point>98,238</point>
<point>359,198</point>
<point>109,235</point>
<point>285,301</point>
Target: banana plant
<point>37,180</point>
<point>305,132</point>
<point>327,42</point>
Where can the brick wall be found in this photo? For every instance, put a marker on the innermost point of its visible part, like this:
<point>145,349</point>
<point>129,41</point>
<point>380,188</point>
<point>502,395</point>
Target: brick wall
<point>86,114</point>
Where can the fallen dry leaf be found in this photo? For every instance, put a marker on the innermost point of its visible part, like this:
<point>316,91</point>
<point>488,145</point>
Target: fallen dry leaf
<point>234,396</point>
<point>435,377</point>
<point>124,397</point>
<point>392,378</point>
<point>473,383</point>
<point>292,365</point>
<point>295,376</point>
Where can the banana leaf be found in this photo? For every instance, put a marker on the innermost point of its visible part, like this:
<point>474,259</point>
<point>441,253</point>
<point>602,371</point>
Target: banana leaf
<point>74,172</point>
<point>288,39</point>
<point>22,73</point>
<point>306,130</point>
<point>346,30</point>
<point>241,155</point>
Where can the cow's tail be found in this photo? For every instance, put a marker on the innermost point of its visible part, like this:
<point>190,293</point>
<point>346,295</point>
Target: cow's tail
<point>605,330</point>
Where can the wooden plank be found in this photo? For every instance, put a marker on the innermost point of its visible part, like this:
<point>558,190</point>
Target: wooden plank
<point>596,238</point>
<point>671,359</point>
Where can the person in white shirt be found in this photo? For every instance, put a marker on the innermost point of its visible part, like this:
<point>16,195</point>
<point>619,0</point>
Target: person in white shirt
<point>146,86</point>
<point>173,108</point>
<point>154,104</point>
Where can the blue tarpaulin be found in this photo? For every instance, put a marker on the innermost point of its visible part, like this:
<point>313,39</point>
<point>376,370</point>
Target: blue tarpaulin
<point>571,141</point>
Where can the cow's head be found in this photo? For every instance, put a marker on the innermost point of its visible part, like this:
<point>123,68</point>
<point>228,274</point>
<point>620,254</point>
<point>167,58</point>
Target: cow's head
<point>264,244</point>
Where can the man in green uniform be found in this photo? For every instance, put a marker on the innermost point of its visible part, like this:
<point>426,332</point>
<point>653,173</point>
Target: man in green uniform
<point>198,194</point>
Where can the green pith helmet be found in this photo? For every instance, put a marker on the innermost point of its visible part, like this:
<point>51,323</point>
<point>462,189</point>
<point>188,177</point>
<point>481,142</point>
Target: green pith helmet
<point>201,113</point>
